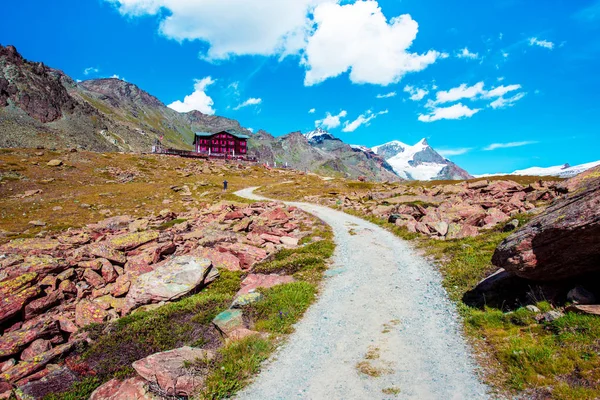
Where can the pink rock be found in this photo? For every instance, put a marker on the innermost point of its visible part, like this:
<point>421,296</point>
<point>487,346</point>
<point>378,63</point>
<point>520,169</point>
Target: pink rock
<point>104,251</point>
<point>247,254</point>
<point>93,278</point>
<point>289,241</point>
<point>130,389</point>
<point>36,347</point>
<point>87,312</point>
<point>254,281</point>
<point>278,214</point>
<point>166,370</point>
<point>121,286</point>
<point>219,259</point>
<point>233,215</point>
<point>270,238</point>
<point>241,333</point>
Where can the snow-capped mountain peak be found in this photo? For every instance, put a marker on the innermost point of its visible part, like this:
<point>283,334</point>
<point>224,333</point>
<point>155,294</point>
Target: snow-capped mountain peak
<point>419,162</point>
<point>318,135</point>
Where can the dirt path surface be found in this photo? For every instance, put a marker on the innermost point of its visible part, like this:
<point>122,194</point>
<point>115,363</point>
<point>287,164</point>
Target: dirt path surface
<point>383,327</point>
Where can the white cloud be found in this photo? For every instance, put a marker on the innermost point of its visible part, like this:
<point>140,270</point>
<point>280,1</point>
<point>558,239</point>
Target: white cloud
<point>312,110</point>
<point>198,100</point>
<point>115,76</point>
<point>232,27</point>
<point>500,78</point>
<point>90,70</point>
<point>250,129</point>
<point>461,92</point>
<point>505,54</point>
<point>501,102</point>
<point>454,152</point>
<point>331,121</point>
<point>386,96</point>
<point>533,41</point>
<point>495,146</point>
<point>457,111</point>
<point>465,53</point>
<point>501,91</point>
<point>252,101</point>
<point>358,38</point>
<point>363,119</point>
<point>416,94</point>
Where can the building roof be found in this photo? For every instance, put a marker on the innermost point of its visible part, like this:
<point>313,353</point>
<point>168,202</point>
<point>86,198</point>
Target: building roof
<point>230,131</point>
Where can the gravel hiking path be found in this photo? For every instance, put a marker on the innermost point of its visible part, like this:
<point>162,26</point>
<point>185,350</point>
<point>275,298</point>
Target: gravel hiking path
<point>382,328</point>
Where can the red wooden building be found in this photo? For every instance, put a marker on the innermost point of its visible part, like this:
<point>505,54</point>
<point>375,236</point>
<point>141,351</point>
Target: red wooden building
<point>227,142</point>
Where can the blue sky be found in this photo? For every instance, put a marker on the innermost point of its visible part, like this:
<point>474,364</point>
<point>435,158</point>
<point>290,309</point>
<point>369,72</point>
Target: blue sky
<point>496,86</point>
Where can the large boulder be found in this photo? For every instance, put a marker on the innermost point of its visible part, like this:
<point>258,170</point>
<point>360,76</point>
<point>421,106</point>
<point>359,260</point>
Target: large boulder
<point>170,370</point>
<point>562,242</point>
<point>170,281</point>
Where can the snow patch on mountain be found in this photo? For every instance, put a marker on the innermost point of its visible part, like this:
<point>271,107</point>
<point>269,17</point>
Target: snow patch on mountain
<point>318,135</point>
<point>561,171</point>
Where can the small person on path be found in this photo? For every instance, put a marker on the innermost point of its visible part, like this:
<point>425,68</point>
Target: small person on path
<point>225,185</point>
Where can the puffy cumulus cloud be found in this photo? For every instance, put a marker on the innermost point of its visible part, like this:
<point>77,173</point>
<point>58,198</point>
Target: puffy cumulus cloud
<point>363,119</point>
<point>331,121</point>
<point>416,94</point>
<point>465,53</point>
<point>457,111</point>
<point>358,38</point>
<point>495,146</point>
<point>501,102</point>
<point>198,100</point>
<point>542,43</point>
<point>252,101</point>
<point>312,110</point>
<point>387,95</point>
<point>232,27</point>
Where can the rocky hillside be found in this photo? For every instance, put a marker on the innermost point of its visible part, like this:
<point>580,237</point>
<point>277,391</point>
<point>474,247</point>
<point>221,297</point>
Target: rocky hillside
<point>419,162</point>
<point>42,106</point>
<point>323,154</point>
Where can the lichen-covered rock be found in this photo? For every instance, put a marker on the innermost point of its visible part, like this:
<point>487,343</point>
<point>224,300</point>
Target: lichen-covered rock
<point>130,241</point>
<point>15,293</point>
<point>167,370</point>
<point>102,250</point>
<point>12,343</point>
<point>170,281</point>
<point>30,246</point>
<point>87,312</point>
<point>246,299</point>
<point>562,242</point>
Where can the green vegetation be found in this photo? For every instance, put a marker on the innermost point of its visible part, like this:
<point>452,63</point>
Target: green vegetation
<point>282,306</point>
<point>80,391</point>
<point>235,364</point>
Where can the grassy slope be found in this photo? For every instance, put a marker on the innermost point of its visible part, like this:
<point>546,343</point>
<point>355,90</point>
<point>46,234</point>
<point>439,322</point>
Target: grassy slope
<point>88,183</point>
<point>558,360</point>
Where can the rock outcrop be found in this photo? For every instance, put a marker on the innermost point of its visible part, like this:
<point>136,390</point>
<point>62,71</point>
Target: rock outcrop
<point>562,242</point>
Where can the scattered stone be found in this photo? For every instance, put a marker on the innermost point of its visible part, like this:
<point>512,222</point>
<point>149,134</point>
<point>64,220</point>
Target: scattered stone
<point>167,370</point>
<point>104,251</point>
<point>228,321</point>
<point>37,223</point>
<point>54,163</point>
<point>219,259</point>
<point>241,333</point>
<point>533,309</point>
<point>511,226</point>
<point>551,316</point>
<point>246,299</point>
<point>36,347</point>
<point>13,342</point>
<point>580,295</point>
<point>592,309</point>
<point>289,241</point>
<point>130,241</point>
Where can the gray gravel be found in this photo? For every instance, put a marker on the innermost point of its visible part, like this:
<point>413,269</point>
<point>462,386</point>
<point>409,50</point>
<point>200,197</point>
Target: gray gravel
<point>379,296</point>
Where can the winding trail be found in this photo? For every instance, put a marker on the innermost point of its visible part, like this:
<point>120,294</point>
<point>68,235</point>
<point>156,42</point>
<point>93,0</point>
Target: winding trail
<point>382,308</point>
